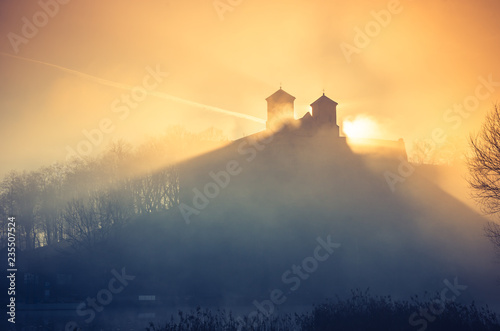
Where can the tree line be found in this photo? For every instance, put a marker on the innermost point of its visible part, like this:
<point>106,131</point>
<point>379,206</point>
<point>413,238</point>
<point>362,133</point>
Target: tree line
<point>83,201</point>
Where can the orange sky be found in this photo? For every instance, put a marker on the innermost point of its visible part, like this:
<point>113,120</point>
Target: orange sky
<point>426,58</point>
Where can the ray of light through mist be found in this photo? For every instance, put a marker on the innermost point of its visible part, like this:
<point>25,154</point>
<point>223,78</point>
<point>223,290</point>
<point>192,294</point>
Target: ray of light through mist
<point>157,94</point>
<point>403,73</point>
<point>250,155</point>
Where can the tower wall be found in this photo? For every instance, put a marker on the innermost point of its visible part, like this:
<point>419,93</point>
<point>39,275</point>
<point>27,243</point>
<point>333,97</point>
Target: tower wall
<point>324,113</point>
<point>280,109</point>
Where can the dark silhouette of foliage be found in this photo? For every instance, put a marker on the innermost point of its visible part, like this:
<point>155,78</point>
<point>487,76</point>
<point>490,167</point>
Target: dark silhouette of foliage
<point>361,311</point>
<point>85,200</point>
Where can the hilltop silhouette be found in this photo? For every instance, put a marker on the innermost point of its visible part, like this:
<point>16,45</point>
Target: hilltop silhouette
<point>295,210</point>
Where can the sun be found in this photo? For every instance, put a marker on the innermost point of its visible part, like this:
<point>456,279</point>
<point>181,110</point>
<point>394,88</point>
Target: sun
<point>361,127</point>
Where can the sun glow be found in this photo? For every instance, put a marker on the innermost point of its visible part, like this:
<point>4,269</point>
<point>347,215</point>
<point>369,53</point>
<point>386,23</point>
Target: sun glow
<point>361,126</point>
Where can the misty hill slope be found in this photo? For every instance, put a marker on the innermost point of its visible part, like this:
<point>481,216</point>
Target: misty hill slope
<point>287,198</point>
<point>294,189</point>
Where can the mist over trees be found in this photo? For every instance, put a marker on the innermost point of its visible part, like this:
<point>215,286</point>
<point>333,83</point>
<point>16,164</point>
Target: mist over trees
<point>258,234</point>
<point>449,152</point>
<point>84,200</point>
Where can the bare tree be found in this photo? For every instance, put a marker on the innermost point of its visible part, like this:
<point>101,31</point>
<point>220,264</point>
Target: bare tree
<point>484,169</point>
<point>156,191</point>
<point>87,225</point>
<point>51,203</point>
<point>85,201</point>
<point>20,198</point>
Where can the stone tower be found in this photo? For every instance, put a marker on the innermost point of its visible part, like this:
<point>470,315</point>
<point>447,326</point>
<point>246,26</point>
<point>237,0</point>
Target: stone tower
<point>279,109</point>
<point>324,113</point>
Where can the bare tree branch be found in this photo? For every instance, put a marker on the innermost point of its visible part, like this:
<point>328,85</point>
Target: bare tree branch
<point>484,170</point>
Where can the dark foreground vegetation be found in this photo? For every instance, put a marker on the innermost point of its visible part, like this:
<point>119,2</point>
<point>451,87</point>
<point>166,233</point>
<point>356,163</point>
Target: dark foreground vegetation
<point>360,312</point>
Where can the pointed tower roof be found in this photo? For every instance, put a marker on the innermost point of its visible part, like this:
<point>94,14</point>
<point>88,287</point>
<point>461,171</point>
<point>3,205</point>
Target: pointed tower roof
<point>280,95</point>
<point>323,99</point>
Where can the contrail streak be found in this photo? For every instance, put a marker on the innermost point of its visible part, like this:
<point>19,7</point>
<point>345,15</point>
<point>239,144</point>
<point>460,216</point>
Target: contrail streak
<point>157,94</point>
<point>73,72</point>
